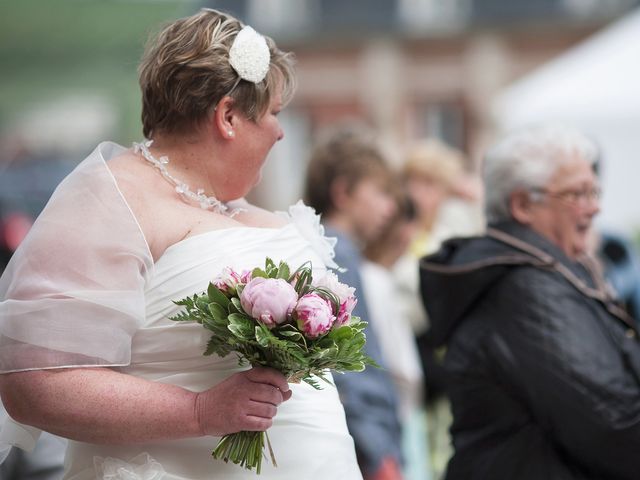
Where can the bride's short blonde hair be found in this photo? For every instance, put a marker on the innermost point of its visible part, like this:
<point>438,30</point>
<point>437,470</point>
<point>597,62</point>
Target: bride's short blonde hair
<point>185,72</point>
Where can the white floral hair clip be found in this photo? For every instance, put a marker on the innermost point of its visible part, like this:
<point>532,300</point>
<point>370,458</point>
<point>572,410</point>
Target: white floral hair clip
<point>249,55</point>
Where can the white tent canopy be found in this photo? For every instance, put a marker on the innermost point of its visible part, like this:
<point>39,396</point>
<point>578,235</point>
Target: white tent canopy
<point>595,87</point>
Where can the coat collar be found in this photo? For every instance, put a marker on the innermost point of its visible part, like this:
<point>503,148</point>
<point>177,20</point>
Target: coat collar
<point>585,274</point>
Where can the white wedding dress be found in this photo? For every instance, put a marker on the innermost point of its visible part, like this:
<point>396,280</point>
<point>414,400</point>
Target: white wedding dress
<point>309,435</point>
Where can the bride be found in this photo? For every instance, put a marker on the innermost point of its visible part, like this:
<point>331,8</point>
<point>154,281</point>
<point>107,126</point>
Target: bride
<point>87,350</point>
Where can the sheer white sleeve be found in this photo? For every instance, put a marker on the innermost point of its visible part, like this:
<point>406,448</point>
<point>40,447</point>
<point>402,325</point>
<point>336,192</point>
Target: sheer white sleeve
<point>73,293</point>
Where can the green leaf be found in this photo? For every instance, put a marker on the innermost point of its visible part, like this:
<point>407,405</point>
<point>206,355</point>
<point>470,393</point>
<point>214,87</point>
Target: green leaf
<point>257,272</point>
<point>216,296</point>
<point>182,317</point>
<point>357,324</point>
<point>240,317</point>
<point>312,382</point>
<point>263,335</point>
<point>213,346</point>
<point>270,268</point>
<point>283,271</point>
<point>241,326</point>
<point>202,303</point>
<point>291,334</point>
<point>218,313</point>
<point>237,306</point>
<point>341,333</point>
<point>209,324</point>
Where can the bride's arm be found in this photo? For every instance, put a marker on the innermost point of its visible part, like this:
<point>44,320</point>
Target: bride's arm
<point>99,405</point>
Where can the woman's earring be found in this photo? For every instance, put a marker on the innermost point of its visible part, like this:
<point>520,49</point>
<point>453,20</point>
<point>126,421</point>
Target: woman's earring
<point>230,133</point>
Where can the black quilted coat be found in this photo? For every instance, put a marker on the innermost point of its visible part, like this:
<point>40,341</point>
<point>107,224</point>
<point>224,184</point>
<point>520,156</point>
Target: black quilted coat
<point>543,368</point>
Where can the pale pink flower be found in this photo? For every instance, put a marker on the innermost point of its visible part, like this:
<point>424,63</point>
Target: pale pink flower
<point>314,315</point>
<point>330,281</point>
<point>228,280</point>
<point>345,294</point>
<point>268,300</point>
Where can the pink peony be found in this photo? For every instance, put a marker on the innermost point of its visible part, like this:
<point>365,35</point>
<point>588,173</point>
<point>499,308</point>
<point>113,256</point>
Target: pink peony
<point>269,300</point>
<point>228,280</point>
<point>346,307</point>
<point>314,315</point>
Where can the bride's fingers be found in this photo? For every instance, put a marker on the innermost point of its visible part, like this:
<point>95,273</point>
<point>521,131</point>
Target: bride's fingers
<point>257,424</point>
<point>263,410</point>
<point>268,376</point>
<point>267,393</point>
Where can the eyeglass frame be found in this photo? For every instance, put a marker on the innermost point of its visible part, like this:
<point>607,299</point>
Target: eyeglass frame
<point>575,196</point>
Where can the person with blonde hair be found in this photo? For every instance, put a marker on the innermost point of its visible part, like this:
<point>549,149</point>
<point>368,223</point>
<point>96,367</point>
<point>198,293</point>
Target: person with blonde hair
<point>87,348</point>
<point>437,178</point>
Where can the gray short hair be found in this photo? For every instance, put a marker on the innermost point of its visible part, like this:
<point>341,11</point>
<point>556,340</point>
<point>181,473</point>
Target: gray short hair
<point>526,159</point>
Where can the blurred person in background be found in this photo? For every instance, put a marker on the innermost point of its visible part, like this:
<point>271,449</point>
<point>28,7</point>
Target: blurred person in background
<point>446,194</point>
<point>392,327</point>
<point>87,349</point>
<point>348,182</point>
<point>620,261</point>
<point>14,226</point>
<point>543,365</point>
<point>621,266</point>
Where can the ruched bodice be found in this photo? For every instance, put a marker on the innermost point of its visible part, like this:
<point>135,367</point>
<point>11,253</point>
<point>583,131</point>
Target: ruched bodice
<point>309,435</point>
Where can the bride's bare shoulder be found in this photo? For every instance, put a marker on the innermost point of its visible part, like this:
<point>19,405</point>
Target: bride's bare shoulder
<point>126,167</point>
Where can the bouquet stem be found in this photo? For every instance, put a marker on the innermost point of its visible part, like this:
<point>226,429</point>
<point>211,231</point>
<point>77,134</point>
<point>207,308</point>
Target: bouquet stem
<point>245,449</point>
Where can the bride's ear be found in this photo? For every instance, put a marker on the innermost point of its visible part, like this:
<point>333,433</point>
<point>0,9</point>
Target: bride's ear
<point>225,118</point>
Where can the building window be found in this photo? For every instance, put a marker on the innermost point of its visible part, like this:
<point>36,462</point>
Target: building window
<point>424,15</point>
<point>442,120</point>
<point>282,16</point>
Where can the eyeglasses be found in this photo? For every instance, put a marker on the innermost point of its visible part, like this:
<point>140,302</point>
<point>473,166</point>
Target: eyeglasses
<point>579,197</point>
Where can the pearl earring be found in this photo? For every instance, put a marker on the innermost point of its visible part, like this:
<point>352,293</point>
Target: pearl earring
<point>230,132</point>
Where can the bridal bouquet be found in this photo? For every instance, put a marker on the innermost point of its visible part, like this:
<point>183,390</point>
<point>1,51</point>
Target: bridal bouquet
<point>290,321</point>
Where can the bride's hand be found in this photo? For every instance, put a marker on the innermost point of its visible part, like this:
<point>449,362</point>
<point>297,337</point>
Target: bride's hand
<point>245,401</point>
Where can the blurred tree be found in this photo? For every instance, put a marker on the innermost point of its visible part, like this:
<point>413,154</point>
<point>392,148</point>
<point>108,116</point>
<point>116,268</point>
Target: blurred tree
<point>56,49</point>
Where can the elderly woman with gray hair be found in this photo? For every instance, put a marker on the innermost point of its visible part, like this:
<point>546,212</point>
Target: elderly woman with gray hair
<point>543,365</point>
